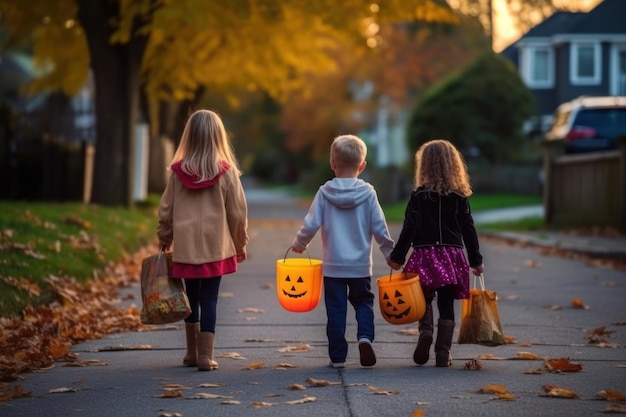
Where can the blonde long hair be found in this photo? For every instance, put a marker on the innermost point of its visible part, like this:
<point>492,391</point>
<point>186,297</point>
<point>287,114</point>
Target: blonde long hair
<point>440,167</point>
<point>204,145</point>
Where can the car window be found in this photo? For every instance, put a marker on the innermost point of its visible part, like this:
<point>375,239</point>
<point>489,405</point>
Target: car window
<point>606,121</point>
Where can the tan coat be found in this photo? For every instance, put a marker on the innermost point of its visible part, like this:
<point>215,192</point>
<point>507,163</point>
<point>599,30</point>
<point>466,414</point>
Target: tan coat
<point>207,224</point>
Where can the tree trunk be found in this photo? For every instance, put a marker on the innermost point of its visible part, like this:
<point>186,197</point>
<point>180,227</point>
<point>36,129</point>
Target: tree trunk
<point>159,134</point>
<point>116,74</point>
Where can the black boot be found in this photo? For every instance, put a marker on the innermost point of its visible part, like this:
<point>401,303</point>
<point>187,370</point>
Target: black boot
<point>426,327</point>
<point>445,329</point>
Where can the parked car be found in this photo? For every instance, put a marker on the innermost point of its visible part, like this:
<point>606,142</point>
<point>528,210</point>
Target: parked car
<point>589,124</point>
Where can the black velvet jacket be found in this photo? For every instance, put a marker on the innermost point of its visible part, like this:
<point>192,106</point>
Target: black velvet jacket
<point>432,219</point>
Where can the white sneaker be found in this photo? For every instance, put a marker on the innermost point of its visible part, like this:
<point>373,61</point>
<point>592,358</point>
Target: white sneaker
<point>337,365</point>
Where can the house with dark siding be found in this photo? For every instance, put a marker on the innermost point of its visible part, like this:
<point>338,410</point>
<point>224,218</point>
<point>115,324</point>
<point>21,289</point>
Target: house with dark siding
<point>572,54</point>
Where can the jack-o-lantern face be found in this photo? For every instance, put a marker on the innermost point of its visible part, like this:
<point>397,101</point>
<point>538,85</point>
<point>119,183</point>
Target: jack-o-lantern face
<point>290,290</point>
<point>393,307</point>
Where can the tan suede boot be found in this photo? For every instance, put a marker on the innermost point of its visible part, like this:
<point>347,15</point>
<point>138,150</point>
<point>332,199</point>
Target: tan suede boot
<point>206,341</point>
<point>191,336</point>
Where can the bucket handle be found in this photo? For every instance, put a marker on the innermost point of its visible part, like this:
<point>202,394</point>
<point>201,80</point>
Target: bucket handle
<point>307,254</point>
<point>403,271</point>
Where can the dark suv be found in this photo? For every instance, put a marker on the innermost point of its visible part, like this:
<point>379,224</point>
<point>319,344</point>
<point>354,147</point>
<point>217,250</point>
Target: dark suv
<point>588,124</point>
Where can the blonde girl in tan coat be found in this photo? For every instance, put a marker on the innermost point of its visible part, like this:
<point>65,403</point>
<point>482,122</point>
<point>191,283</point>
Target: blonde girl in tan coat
<point>203,212</point>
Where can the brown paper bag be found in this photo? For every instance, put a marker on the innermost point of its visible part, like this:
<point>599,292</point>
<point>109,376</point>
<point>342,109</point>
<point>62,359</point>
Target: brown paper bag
<point>164,298</point>
<point>480,321</point>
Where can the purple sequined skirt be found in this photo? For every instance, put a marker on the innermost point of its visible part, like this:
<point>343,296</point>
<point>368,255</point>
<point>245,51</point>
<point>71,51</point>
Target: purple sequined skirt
<point>441,265</point>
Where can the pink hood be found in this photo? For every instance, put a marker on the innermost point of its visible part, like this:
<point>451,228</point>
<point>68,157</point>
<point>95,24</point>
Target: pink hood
<point>191,181</point>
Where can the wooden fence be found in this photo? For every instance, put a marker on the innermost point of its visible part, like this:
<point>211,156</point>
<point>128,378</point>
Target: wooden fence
<point>584,190</point>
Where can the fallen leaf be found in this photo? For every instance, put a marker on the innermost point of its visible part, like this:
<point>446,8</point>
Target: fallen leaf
<point>529,356</point>
<point>89,362</point>
<point>16,391</point>
<point>123,348</point>
<point>537,371</point>
<point>611,395</point>
<point>255,365</point>
<point>297,387</point>
<point>320,382</point>
<point>489,357</point>
<point>562,365</point>
<point>473,365</point>
<point>493,389</point>
<point>230,402</point>
<point>579,303</point>
<point>533,263</point>
<point>604,344</point>
<point>261,404</point>
<point>559,392</point>
<point>207,396</point>
<point>300,348</point>
<point>599,332</point>
<point>380,391</point>
<point>210,385</point>
<point>231,355</point>
<point>301,401</point>
<point>27,285</point>
<point>417,413</point>
<point>170,387</point>
<point>284,365</point>
<point>171,394</point>
<point>77,221</point>
<point>61,390</point>
<point>614,409</point>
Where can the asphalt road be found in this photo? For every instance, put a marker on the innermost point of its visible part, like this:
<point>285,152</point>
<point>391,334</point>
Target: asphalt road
<point>263,350</point>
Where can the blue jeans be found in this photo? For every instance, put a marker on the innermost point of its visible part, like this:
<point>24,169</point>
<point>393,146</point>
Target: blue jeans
<point>202,294</point>
<point>337,293</point>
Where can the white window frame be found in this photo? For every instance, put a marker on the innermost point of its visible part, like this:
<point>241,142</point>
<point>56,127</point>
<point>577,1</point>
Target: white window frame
<point>528,62</point>
<point>596,78</point>
<point>616,49</point>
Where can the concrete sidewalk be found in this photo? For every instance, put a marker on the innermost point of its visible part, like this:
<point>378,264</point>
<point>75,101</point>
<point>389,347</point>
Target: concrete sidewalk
<point>264,350</point>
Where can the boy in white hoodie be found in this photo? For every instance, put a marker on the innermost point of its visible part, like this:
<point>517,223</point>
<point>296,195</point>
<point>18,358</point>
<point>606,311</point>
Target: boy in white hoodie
<point>347,211</point>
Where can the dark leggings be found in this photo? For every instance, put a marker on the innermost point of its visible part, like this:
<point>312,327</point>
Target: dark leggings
<point>202,294</point>
<point>445,302</point>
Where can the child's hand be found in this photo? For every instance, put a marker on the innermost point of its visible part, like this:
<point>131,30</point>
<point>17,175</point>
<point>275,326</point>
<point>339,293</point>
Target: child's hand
<point>478,270</point>
<point>393,265</point>
<point>241,257</point>
<point>296,250</point>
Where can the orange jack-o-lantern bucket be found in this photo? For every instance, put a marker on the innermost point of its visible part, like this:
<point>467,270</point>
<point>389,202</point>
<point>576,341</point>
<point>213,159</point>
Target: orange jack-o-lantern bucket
<point>298,283</point>
<point>401,298</point>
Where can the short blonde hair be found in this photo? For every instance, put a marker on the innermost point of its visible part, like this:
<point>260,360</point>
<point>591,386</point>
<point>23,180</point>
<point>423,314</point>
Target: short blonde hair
<point>204,145</point>
<point>348,151</point>
<point>440,167</point>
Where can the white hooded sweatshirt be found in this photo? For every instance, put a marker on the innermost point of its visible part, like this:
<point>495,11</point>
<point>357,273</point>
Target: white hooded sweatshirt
<point>349,214</point>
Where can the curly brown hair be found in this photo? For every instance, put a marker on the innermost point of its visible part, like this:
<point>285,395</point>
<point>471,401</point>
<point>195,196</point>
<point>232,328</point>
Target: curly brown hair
<point>440,167</point>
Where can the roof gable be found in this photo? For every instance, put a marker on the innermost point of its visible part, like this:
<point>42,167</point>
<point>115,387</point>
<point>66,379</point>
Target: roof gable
<point>608,17</point>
